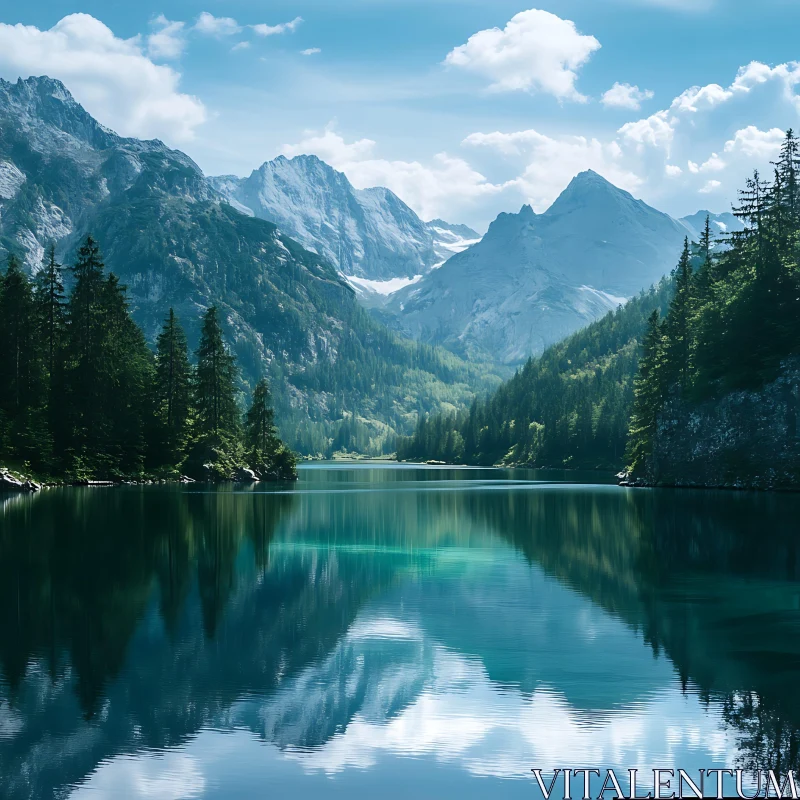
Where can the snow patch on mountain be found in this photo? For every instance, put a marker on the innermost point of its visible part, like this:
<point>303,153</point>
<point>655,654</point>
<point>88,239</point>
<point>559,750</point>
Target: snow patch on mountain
<point>450,239</point>
<point>384,288</point>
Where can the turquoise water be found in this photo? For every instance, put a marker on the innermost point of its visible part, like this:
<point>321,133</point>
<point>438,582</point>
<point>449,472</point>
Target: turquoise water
<point>398,630</point>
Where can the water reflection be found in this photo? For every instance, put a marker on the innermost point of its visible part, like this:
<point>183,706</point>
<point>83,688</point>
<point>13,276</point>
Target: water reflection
<point>477,622</point>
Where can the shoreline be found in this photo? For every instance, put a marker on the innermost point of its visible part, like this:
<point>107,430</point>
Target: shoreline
<point>15,482</point>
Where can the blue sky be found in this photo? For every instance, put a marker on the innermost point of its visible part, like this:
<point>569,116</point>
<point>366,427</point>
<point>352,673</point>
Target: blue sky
<point>464,107</point>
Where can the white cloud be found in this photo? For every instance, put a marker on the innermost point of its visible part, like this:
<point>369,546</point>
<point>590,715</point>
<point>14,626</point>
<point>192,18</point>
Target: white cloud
<point>168,39</point>
<point>443,186</point>
<point>273,30</point>
<point>672,171</point>
<point>701,97</point>
<point>111,77</point>
<point>216,26</point>
<point>331,147</point>
<point>240,46</point>
<point>311,51</point>
<point>754,143</point>
<point>709,187</point>
<point>657,130</point>
<point>536,51</point>
<point>553,162</point>
<point>623,95</point>
<point>714,164</point>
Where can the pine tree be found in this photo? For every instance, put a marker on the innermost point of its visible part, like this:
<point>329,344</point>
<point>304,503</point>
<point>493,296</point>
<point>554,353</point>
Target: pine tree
<point>786,168</point>
<point>84,308</point>
<point>173,388</point>
<point>706,276</point>
<point>85,379</point>
<point>50,299</point>
<point>215,387</point>
<point>126,386</point>
<point>22,400</point>
<point>648,398</point>
<point>678,322</point>
<point>18,336</point>
<point>261,438</point>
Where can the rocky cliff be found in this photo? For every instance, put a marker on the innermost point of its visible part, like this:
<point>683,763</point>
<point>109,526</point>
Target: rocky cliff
<point>748,439</point>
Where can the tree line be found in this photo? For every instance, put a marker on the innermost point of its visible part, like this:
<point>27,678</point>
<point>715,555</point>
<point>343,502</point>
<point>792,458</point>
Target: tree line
<point>83,396</point>
<point>568,408</point>
<point>734,320</point>
<point>726,319</point>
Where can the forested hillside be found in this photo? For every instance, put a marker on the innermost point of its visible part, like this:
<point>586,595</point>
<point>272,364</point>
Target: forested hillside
<point>341,380</point>
<point>721,365</point>
<point>83,397</point>
<point>568,408</point>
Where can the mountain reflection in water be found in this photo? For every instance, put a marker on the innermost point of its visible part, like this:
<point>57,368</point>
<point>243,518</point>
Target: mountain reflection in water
<point>391,628</point>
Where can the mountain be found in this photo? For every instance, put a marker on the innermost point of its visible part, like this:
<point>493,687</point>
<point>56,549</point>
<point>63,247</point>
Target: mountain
<point>721,224</point>
<point>450,239</point>
<point>365,233</point>
<point>340,378</point>
<point>534,279</point>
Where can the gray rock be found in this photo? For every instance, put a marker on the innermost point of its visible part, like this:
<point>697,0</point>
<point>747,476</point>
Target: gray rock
<point>8,483</point>
<point>745,440</point>
<point>244,475</point>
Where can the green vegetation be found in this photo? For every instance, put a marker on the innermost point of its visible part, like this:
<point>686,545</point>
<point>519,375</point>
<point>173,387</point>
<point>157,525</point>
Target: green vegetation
<point>341,380</point>
<point>734,320</point>
<point>82,396</point>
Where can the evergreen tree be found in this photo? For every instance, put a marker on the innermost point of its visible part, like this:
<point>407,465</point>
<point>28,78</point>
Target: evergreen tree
<point>215,387</point>
<point>648,396</point>
<point>18,336</point>
<point>84,379</point>
<point>22,400</point>
<point>127,377</point>
<point>82,373</point>
<point>786,168</point>
<point>50,299</point>
<point>260,435</point>
<point>678,322</point>
<point>173,387</point>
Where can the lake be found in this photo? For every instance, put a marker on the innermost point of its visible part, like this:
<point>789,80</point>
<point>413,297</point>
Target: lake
<point>392,630</point>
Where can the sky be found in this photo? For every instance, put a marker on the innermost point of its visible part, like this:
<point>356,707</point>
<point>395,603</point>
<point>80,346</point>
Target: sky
<point>464,108</point>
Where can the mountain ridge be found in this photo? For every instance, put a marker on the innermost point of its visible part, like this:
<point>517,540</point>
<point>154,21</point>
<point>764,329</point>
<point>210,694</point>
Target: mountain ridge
<point>341,379</point>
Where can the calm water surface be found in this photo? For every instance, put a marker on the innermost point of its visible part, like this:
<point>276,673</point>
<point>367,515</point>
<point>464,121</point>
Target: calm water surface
<point>391,630</point>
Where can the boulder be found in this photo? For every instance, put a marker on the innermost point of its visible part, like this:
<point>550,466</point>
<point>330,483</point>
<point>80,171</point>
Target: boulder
<point>8,483</point>
<point>245,475</point>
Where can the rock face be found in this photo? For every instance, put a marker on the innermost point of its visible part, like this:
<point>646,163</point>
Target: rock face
<point>534,279</point>
<point>366,233</point>
<point>58,165</point>
<point>8,483</point>
<point>748,439</point>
